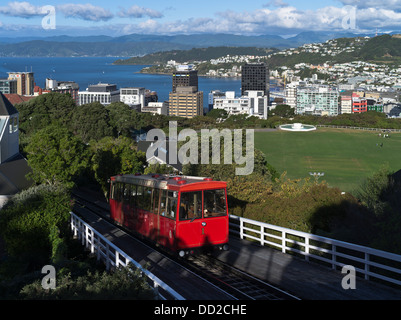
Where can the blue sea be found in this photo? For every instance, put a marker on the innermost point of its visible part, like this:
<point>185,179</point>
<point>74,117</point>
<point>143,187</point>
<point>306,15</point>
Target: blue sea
<point>86,71</point>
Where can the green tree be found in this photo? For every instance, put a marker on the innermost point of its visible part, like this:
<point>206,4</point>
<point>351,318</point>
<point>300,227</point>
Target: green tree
<point>121,118</point>
<point>115,156</point>
<point>56,156</point>
<point>282,110</point>
<point>34,224</point>
<point>91,121</point>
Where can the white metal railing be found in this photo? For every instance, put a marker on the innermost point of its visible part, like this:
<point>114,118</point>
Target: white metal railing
<point>115,257</point>
<point>356,128</point>
<point>367,261</point>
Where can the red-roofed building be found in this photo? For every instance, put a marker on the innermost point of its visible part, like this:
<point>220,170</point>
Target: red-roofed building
<point>15,98</point>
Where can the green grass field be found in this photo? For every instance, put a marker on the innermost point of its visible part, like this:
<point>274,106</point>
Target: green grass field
<point>346,157</point>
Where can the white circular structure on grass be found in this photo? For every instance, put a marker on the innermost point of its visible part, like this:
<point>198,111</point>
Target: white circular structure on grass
<point>297,127</point>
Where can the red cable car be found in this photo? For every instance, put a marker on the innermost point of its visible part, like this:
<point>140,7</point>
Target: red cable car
<point>181,213</point>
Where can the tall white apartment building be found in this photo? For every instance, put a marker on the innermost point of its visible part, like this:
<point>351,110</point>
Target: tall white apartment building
<point>346,103</point>
<point>291,94</point>
<point>318,100</point>
<point>253,103</point>
<point>133,97</point>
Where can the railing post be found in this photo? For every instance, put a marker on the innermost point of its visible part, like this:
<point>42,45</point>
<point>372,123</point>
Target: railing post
<point>241,229</point>
<point>306,248</point>
<point>262,235</point>
<point>367,266</point>
<point>92,242</point>
<point>98,249</point>
<point>117,259</point>
<point>86,236</point>
<point>82,231</point>
<point>283,241</point>
<point>334,256</point>
<point>107,257</point>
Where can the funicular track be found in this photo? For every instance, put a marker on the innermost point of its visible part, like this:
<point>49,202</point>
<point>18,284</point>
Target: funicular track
<point>236,283</point>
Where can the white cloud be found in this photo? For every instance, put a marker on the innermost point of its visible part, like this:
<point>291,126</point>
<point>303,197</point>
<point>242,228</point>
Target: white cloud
<point>21,9</point>
<point>139,12</point>
<point>80,11</point>
<point>87,12</point>
<point>394,5</point>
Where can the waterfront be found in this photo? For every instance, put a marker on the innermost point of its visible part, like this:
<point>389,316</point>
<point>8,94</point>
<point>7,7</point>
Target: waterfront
<point>86,71</point>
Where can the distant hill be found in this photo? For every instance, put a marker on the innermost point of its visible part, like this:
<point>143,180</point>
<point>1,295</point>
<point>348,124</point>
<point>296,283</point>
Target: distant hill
<point>381,49</point>
<point>140,44</point>
<point>195,54</point>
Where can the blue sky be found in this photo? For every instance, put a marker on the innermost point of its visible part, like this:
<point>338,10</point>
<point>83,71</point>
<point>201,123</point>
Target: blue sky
<point>252,17</point>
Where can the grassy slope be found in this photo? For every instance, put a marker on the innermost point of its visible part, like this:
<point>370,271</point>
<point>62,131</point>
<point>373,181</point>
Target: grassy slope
<point>345,156</point>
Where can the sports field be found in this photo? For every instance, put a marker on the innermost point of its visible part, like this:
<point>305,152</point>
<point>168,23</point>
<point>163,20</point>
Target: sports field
<point>345,156</point>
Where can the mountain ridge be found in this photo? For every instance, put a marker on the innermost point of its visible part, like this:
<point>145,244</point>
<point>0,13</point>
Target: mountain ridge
<point>142,44</point>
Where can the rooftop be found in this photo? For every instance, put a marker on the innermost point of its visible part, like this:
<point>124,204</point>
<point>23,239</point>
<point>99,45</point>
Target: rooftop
<point>6,108</point>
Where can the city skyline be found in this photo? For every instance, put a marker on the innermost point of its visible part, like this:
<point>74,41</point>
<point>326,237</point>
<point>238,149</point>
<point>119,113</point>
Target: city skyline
<point>278,17</point>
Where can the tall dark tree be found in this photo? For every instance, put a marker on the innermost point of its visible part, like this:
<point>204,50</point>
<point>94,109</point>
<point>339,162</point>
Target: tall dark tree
<point>56,156</point>
<point>91,121</point>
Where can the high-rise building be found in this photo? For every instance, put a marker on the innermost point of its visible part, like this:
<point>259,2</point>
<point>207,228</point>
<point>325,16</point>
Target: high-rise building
<point>25,82</point>
<point>185,76</point>
<point>317,100</point>
<point>255,77</point>
<point>186,102</point>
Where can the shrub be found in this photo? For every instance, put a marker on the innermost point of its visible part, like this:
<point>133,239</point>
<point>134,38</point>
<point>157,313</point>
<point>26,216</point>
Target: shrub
<point>34,222</point>
<point>123,283</point>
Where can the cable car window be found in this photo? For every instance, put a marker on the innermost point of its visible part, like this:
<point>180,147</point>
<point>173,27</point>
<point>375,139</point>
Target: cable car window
<point>119,191</point>
<point>139,197</point>
<point>191,205</point>
<point>113,191</point>
<point>155,201</point>
<point>214,203</point>
<point>163,203</point>
<point>133,195</point>
<point>147,199</point>
<point>171,211</point>
<point>126,192</point>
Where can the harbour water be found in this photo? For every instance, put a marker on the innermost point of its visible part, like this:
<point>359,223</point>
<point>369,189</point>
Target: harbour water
<point>86,71</point>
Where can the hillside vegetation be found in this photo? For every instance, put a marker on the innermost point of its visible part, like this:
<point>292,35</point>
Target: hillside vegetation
<point>380,49</point>
<point>195,54</point>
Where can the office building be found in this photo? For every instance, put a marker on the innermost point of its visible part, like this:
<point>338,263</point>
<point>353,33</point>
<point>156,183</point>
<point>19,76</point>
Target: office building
<point>317,100</point>
<point>134,97</point>
<point>214,94</point>
<point>185,76</point>
<point>25,82</point>
<point>156,108</point>
<point>186,102</point>
<point>290,93</point>
<point>64,87</point>
<point>8,86</point>
<point>255,77</point>
<point>253,103</point>
<point>346,103</point>
<point>104,93</point>
<point>359,105</point>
